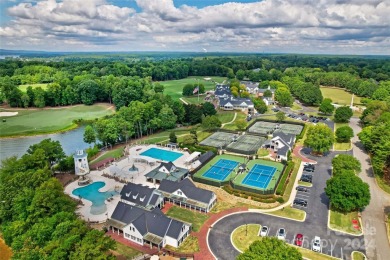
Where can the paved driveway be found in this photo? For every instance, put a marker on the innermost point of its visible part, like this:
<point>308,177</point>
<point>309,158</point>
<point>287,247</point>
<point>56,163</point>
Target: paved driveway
<point>336,244</point>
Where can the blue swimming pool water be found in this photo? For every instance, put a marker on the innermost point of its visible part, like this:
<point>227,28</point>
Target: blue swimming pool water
<point>91,192</point>
<point>259,176</point>
<point>161,154</point>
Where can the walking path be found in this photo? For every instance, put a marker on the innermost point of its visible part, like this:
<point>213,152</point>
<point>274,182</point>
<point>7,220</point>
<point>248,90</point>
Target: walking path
<point>204,252</point>
<point>228,123</point>
<point>182,100</point>
<point>297,153</point>
<point>375,235</point>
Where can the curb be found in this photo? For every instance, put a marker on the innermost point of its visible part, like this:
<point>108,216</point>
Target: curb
<point>344,232</point>
<point>304,218</point>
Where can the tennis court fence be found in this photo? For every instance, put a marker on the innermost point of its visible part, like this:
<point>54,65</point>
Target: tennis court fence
<point>248,189</point>
<point>210,182</point>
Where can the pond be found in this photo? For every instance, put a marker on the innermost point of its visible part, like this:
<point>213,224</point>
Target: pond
<point>70,141</point>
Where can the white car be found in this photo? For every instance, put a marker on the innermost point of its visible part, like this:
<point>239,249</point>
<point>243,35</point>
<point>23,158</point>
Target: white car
<point>307,164</point>
<point>264,231</point>
<point>316,246</point>
<point>281,234</point>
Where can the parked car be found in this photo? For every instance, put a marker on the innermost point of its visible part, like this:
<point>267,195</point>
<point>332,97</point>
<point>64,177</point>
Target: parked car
<point>308,169</point>
<point>264,231</point>
<point>308,176</point>
<point>281,234</point>
<point>305,179</point>
<point>300,202</point>
<point>316,246</point>
<point>301,188</point>
<point>298,241</point>
<point>310,166</point>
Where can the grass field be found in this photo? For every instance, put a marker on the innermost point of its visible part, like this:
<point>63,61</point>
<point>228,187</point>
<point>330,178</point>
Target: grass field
<point>225,116</point>
<point>189,216</point>
<point>233,126</point>
<point>174,88</point>
<point>190,245</point>
<point>194,99</point>
<point>245,235</point>
<point>115,153</point>
<point>30,122</point>
<point>23,88</point>
<point>339,96</point>
<point>343,222</point>
<point>126,251</point>
<point>289,212</point>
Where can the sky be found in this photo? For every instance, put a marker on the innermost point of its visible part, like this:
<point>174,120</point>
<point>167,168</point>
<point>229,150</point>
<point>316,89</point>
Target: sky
<point>267,26</point>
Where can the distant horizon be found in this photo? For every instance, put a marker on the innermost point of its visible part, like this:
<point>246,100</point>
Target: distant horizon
<point>335,27</point>
<point>189,52</point>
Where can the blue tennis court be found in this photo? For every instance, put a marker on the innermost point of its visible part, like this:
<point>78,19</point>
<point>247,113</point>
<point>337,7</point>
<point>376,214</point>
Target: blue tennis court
<point>259,176</point>
<point>220,170</point>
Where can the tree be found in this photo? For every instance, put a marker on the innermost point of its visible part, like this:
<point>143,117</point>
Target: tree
<point>158,88</point>
<point>172,137</point>
<point>89,135</point>
<point>347,192</point>
<point>188,140</point>
<point>259,105</point>
<point>211,122</point>
<point>93,246</point>
<point>326,106</point>
<point>267,93</point>
<point>193,114</point>
<point>344,134</point>
<point>345,162</point>
<point>167,117</point>
<point>280,116</point>
<point>208,109</point>
<point>283,96</point>
<point>53,150</point>
<point>188,89</point>
<point>343,114</point>
<point>319,138</point>
<point>194,135</point>
<point>240,74</point>
<point>89,91</point>
<point>270,248</point>
<point>240,124</point>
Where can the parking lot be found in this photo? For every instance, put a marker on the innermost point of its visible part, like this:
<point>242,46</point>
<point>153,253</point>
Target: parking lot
<point>316,223</point>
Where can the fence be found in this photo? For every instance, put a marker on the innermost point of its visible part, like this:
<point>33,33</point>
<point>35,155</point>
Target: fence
<point>248,189</point>
<point>210,182</point>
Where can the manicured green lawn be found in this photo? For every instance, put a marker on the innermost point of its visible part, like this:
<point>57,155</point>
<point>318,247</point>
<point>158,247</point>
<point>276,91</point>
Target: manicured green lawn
<point>30,122</point>
<point>262,152</point>
<point>23,88</point>
<point>174,88</point>
<point>382,184</point>
<point>309,254</point>
<point>306,184</point>
<point>296,107</point>
<point>233,126</point>
<point>225,116</point>
<point>126,251</point>
<point>245,235</point>
<point>197,219</point>
<point>194,99</point>
<point>189,245</point>
<point>289,212</point>
<point>115,153</point>
<point>339,96</point>
<point>358,256</point>
<point>343,222</point>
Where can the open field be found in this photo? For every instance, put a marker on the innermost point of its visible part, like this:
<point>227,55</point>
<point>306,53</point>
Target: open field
<point>189,216</point>
<point>174,88</point>
<point>23,88</point>
<point>339,96</point>
<point>245,235</point>
<point>41,121</point>
<point>233,126</point>
<point>343,222</point>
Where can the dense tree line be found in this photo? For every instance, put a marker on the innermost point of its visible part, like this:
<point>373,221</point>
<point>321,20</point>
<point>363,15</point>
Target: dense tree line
<point>37,219</point>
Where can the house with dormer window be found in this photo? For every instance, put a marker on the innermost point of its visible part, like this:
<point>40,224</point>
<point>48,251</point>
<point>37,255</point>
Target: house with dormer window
<point>281,143</point>
<point>141,196</point>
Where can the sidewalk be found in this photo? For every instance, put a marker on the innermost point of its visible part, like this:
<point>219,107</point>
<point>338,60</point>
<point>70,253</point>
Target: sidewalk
<point>297,153</point>
<point>204,252</point>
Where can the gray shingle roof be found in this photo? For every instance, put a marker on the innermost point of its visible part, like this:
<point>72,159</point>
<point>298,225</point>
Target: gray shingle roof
<point>141,192</point>
<point>167,165</point>
<point>287,138</point>
<point>145,221</point>
<point>188,188</point>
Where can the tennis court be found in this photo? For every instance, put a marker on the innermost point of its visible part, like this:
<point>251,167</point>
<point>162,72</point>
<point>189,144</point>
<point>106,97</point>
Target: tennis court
<point>218,139</point>
<point>246,144</point>
<point>220,170</point>
<point>262,127</point>
<point>290,129</point>
<point>259,176</point>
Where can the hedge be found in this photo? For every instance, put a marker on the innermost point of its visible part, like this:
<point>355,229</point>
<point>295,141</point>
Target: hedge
<point>284,181</point>
<point>246,195</point>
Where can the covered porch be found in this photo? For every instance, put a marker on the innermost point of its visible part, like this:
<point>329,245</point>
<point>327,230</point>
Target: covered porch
<point>152,240</point>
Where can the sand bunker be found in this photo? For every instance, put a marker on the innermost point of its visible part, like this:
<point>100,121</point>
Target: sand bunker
<point>8,114</point>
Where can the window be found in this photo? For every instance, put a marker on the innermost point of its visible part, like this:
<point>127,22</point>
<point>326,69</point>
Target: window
<point>133,238</point>
<point>127,235</point>
<point>179,193</point>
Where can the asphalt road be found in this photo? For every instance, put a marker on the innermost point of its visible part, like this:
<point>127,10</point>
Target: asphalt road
<point>333,243</point>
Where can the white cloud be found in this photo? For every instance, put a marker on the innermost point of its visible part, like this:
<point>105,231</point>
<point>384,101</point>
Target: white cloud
<point>334,26</point>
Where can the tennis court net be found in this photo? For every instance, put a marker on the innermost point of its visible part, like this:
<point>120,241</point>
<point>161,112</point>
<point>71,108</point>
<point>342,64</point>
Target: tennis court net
<point>224,168</point>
